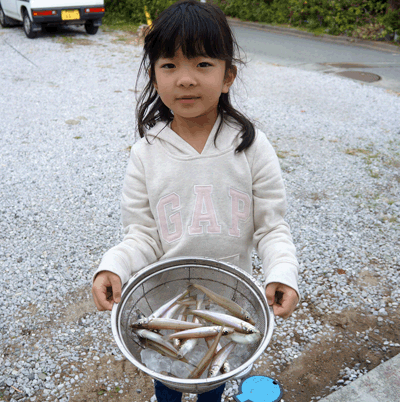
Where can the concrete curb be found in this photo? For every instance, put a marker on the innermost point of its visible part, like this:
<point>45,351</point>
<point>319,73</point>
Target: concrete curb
<point>382,384</point>
<point>341,40</point>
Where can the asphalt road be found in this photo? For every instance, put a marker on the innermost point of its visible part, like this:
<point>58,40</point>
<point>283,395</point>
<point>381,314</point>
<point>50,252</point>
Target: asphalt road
<point>316,54</point>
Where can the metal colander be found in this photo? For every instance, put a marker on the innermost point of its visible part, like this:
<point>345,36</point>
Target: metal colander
<point>154,285</point>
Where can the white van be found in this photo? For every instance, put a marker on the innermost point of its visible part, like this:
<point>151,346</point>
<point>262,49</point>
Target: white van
<point>37,14</point>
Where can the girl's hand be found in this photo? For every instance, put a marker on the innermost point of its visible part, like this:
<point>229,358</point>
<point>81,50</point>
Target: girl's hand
<point>106,290</point>
<point>282,298</point>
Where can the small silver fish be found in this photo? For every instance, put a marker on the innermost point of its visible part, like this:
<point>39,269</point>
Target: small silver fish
<point>156,338</point>
<point>245,339</point>
<point>226,320</point>
<point>227,304</point>
<point>226,367</point>
<point>205,361</point>
<point>189,344</point>
<point>220,358</point>
<point>172,311</point>
<point>202,332</point>
<point>187,347</point>
<point>164,351</point>
<point>164,323</point>
<point>161,310</point>
<point>176,341</point>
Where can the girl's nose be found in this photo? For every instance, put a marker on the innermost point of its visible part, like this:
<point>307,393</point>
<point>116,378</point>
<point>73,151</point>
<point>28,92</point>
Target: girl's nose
<point>186,79</point>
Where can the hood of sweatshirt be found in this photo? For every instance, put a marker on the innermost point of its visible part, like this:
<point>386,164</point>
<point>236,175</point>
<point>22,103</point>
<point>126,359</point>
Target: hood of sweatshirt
<point>227,139</point>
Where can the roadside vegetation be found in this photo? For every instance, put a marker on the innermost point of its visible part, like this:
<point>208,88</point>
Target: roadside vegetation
<point>364,19</point>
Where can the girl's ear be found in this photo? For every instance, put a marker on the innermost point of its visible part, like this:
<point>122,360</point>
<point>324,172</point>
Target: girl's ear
<point>230,76</point>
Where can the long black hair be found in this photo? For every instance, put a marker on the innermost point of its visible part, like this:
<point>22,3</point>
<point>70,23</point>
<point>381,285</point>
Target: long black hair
<point>198,29</point>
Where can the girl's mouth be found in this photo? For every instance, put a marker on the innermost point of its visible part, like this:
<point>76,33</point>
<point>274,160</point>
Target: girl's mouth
<point>188,99</point>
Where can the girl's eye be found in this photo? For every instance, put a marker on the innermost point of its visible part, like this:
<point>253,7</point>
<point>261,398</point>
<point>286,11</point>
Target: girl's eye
<point>204,64</point>
<point>168,66</point>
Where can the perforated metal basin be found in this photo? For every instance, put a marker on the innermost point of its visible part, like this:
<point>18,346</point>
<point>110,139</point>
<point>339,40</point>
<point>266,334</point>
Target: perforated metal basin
<point>154,285</point>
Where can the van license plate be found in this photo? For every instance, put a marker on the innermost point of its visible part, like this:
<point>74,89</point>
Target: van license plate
<point>70,15</point>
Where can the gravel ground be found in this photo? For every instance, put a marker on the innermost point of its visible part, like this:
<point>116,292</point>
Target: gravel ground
<point>67,122</point>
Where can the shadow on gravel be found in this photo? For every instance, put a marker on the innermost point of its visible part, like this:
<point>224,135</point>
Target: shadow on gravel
<point>54,31</point>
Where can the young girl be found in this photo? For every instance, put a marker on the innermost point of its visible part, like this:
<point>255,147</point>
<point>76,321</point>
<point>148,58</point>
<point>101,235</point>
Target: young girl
<point>201,181</point>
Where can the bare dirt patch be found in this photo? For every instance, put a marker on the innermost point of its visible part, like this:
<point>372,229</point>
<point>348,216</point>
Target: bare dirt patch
<point>70,40</point>
<point>354,340</point>
<point>357,340</point>
<point>140,386</point>
<point>74,312</point>
<point>366,279</point>
<point>128,38</point>
<point>319,366</point>
<point>316,370</point>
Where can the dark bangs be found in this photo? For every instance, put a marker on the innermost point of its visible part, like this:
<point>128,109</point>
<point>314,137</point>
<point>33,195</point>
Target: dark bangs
<point>198,29</point>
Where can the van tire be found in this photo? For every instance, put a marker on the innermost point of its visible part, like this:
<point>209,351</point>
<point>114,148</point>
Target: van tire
<point>90,28</point>
<point>27,23</point>
<point>4,22</point>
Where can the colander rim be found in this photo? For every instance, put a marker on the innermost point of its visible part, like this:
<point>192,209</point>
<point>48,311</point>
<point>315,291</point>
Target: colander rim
<point>177,263</point>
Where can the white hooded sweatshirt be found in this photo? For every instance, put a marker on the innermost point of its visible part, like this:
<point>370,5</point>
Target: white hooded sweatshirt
<point>217,204</point>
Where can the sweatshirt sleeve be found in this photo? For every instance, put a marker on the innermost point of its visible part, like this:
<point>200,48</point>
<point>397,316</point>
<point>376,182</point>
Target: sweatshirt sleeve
<point>141,245</point>
<point>272,237</point>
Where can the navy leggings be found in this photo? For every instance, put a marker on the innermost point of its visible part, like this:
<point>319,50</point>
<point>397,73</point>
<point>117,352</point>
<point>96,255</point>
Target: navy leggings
<point>165,394</point>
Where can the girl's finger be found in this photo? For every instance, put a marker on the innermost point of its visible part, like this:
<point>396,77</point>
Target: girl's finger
<point>270,292</point>
<point>279,311</point>
<point>100,299</point>
<point>105,304</point>
<point>282,311</point>
<point>286,304</point>
<point>116,288</point>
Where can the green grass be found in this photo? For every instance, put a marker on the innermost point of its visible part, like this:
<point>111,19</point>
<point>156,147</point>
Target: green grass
<point>281,154</point>
<point>66,39</point>
<point>111,23</point>
<point>374,174</point>
<point>366,154</point>
<point>316,31</point>
<point>71,40</point>
<point>393,162</point>
<point>357,151</point>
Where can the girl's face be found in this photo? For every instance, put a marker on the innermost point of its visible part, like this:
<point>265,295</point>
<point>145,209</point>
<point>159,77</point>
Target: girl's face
<point>191,87</point>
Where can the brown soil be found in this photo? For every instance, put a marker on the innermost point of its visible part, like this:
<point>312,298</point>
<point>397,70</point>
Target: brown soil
<point>318,367</point>
<point>313,373</point>
<point>141,384</point>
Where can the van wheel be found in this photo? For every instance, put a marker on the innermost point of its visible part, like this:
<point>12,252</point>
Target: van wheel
<point>90,28</point>
<point>29,32</point>
<point>3,19</point>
